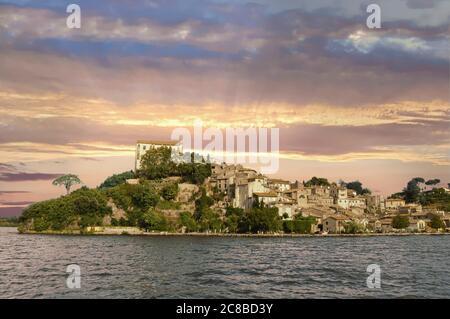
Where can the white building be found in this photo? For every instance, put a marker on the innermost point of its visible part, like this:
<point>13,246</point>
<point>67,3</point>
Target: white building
<point>279,184</point>
<point>394,203</point>
<point>352,202</point>
<point>142,146</point>
<point>267,198</point>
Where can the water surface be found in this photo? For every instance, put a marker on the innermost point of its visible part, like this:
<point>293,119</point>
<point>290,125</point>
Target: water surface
<point>33,266</point>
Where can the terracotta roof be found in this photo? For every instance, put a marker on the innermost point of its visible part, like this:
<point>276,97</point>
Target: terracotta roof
<point>157,142</point>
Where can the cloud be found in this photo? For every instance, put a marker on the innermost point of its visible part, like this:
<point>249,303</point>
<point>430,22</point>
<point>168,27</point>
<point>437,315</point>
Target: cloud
<point>22,176</point>
<point>422,4</point>
<point>13,192</point>
<point>19,203</point>
<point>9,173</point>
<point>338,91</point>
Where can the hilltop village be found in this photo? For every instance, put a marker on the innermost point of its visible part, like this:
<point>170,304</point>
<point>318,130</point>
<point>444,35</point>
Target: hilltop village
<point>162,195</point>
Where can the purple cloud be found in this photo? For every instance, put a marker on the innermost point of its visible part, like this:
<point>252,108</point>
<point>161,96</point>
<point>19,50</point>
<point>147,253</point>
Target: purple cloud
<point>23,177</point>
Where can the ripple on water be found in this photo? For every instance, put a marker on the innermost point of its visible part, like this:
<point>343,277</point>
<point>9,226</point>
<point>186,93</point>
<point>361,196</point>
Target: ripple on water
<point>34,266</point>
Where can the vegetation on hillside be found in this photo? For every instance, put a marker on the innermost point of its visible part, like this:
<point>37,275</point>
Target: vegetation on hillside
<point>400,222</point>
<point>117,179</point>
<point>157,164</point>
<point>67,181</point>
<point>80,209</point>
<point>317,181</point>
<point>152,204</point>
<point>357,187</point>
<point>9,222</point>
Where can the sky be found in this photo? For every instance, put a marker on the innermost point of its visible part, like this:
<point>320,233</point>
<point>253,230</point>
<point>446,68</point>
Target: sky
<point>351,103</point>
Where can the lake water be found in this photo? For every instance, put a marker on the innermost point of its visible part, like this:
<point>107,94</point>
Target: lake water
<point>34,266</point>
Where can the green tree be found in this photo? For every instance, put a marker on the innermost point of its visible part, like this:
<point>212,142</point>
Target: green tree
<point>187,220</point>
<point>117,179</point>
<point>202,203</point>
<point>194,173</point>
<point>437,198</point>
<point>352,228</point>
<point>288,226</point>
<point>437,222</point>
<point>83,207</point>
<point>400,222</point>
<point>412,190</point>
<point>170,191</point>
<point>154,220</point>
<point>67,181</point>
<point>317,181</point>
<point>356,186</point>
<point>234,219</point>
<point>157,163</point>
<point>262,220</point>
<point>432,182</point>
<point>302,225</point>
<point>209,220</point>
<point>144,197</point>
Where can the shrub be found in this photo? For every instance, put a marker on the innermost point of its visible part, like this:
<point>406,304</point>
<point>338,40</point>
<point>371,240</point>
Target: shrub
<point>117,179</point>
<point>169,192</point>
<point>400,222</point>
<point>187,220</point>
<point>154,220</point>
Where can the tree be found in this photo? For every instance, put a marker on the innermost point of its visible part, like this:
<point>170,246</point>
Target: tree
<point>68,181</point>
<point>317,181</point>
<point>81,208</point>
<point>157,163</point>
<point>432,182</point>
<point>262,220</point>
<point>153,220</point>
<point>202,203</point>
<point>117,179</point>
<point>209,220</point>
<point>194,173</point>
<point>412,190</point>
<point>437,222</point>
<point>170,191</point>
<point>186,220</point>
<point>400,222</point>
<point>353,228</point>
<point>356,186</point>
<point>143,197</point>
<point>234,219</point>
<point>302,224</point>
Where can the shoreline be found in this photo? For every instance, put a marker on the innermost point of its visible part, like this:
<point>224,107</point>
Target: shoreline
<point>249,235</point>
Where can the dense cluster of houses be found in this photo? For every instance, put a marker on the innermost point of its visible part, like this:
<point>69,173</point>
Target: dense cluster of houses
<point>332,206</point>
